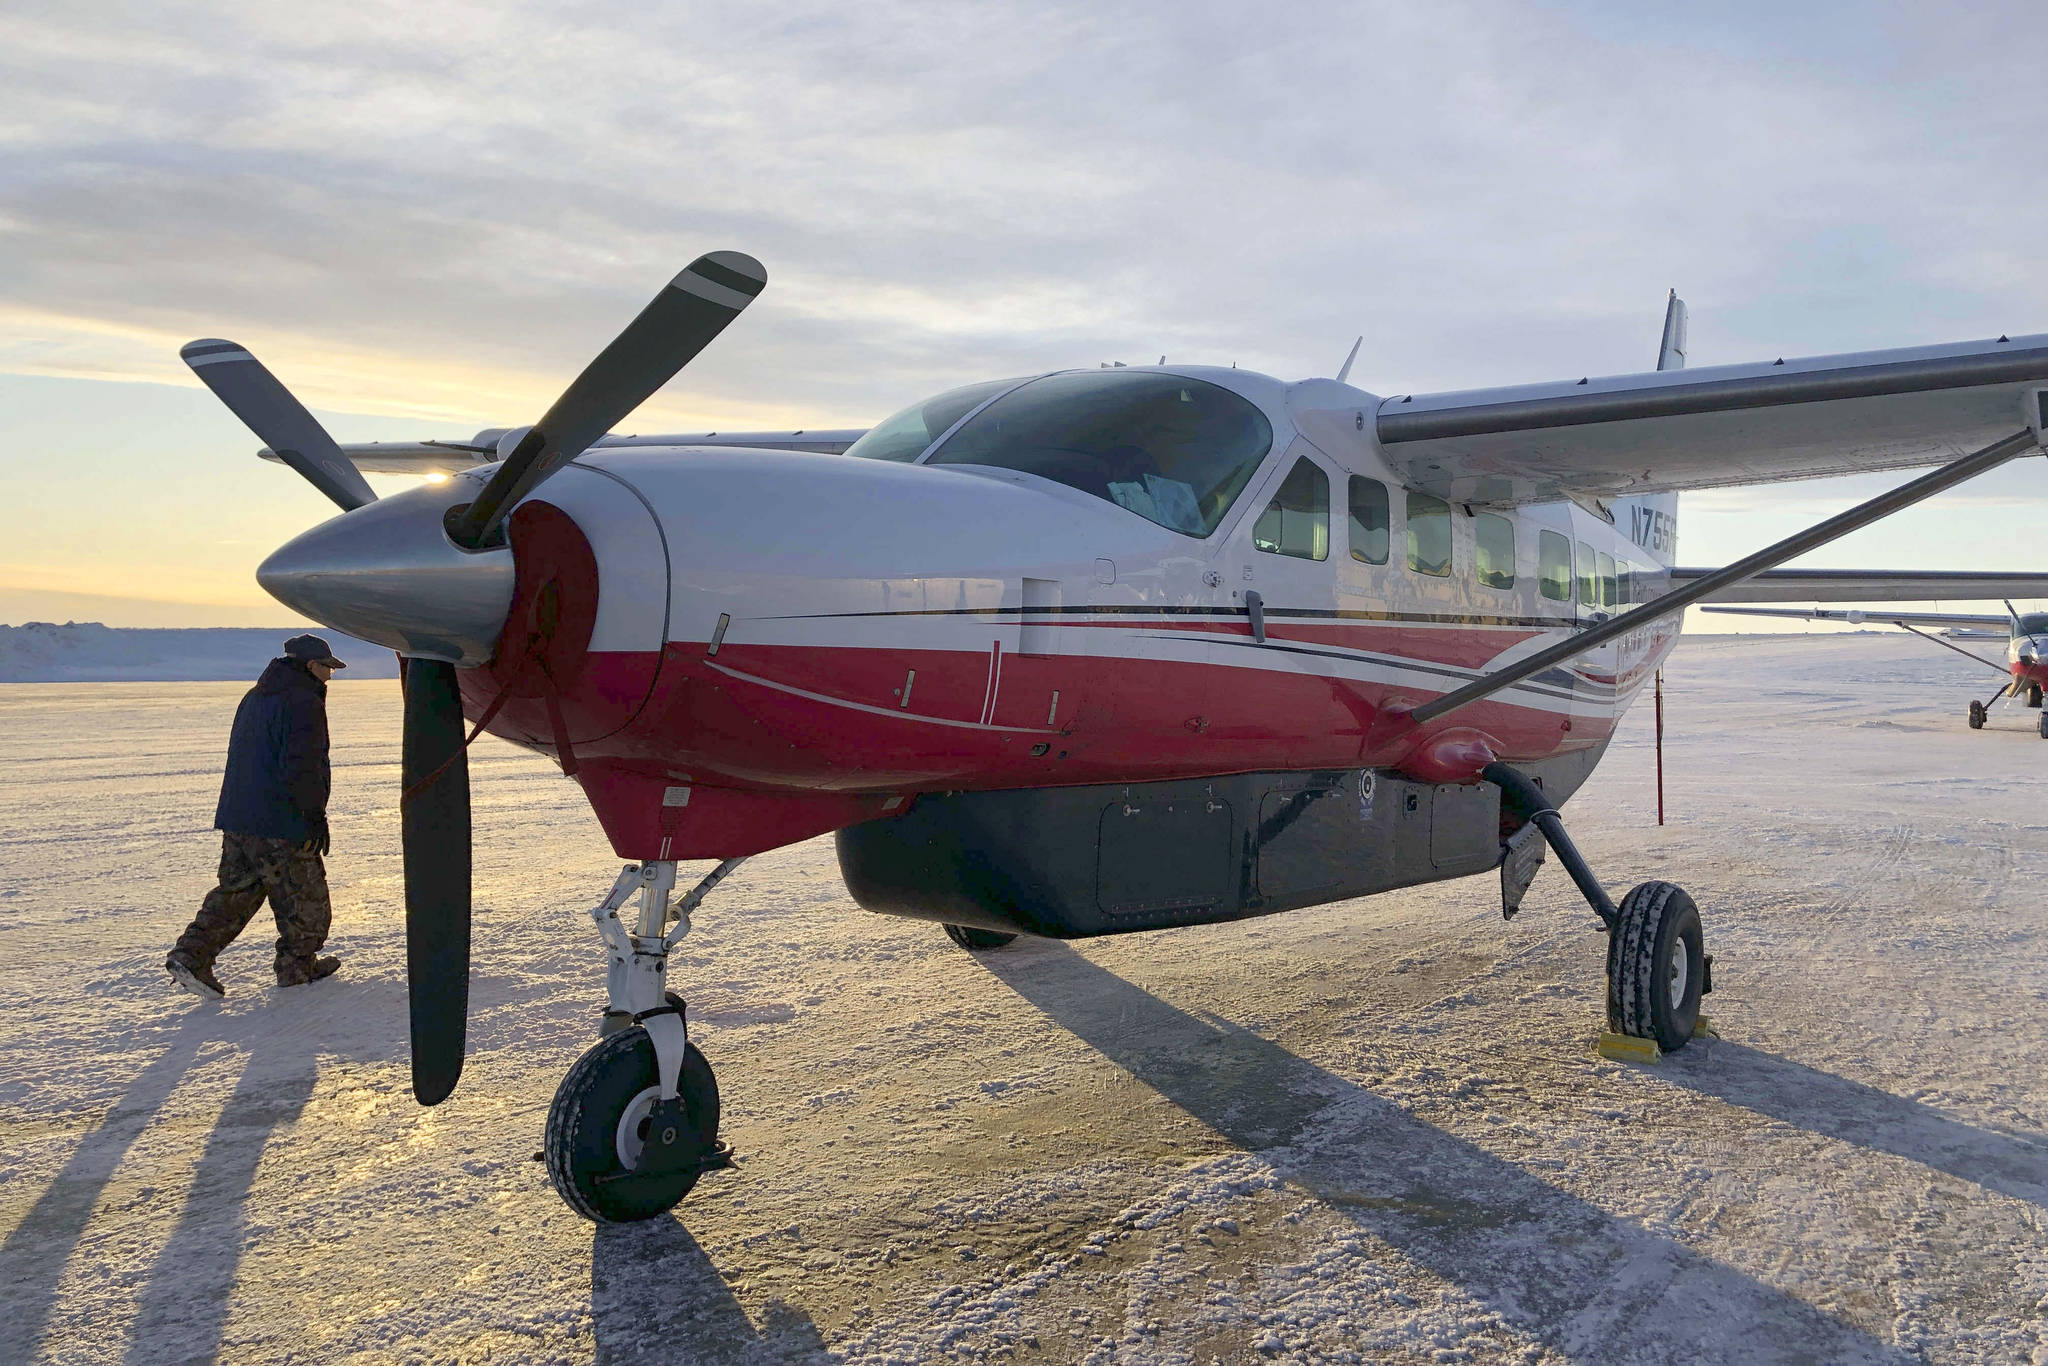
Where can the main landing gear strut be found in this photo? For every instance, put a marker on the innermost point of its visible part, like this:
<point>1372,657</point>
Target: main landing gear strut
<point>1657,964</point>
<point>635,1122</point>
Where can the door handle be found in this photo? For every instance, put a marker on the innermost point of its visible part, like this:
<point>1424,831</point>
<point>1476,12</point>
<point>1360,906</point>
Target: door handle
<point>1256,606</point>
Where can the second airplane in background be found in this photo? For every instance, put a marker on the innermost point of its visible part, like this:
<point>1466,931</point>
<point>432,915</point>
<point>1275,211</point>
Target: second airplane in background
<point>2026,650</point>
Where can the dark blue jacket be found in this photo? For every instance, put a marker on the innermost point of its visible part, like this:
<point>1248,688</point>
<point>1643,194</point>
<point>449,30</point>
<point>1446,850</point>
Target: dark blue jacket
<point>277,777</point>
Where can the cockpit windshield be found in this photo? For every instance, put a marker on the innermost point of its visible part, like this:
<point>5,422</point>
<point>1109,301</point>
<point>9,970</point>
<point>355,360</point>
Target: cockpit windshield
<point>905,436</point>
<point>2030,624</point>
<point>1175,451</point>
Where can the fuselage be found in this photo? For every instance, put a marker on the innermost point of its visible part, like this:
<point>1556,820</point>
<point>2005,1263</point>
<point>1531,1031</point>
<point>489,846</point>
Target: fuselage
<point>742,648</point>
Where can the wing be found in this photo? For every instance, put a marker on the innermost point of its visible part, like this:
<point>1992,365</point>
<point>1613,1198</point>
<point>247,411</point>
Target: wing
<point>1857,617</point>
<point>447,457</point>
<point>1873,585</point>
<point>1730,424</point>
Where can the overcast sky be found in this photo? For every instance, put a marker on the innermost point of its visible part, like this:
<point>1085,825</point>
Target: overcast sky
<point>426,218</point>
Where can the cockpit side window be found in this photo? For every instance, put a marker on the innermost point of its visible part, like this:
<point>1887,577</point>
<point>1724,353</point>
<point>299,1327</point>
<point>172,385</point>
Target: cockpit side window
<point>1370,520</point>
<point>1297,521</point>
<point>1175,451</point>
<point>905,436</point>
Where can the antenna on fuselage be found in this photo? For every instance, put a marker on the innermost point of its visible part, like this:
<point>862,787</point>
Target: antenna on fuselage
<point>1344,373</point>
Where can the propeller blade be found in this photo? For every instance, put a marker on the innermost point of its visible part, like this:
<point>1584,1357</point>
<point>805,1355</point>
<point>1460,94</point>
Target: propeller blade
<point>434,815</point>
<point>681,321</point>
<point>268,409</point>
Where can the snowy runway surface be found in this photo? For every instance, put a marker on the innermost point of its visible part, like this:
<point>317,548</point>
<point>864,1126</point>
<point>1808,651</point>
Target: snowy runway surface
<point>1369,1131</point>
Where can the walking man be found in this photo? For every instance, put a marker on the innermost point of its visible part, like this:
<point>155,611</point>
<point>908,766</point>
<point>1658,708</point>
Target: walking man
<point>273,822</point>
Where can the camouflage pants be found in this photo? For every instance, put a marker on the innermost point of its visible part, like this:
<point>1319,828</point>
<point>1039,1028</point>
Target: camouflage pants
<point>252,868</point>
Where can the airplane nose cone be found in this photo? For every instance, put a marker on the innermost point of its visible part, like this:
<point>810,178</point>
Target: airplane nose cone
<point>388,573</point>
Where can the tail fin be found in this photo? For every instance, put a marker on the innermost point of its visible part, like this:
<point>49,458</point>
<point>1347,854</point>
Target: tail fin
<point>1651,521</point>
<point>1671,353</point>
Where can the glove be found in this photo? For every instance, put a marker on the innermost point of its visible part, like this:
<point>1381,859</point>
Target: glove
<point>316,841</point>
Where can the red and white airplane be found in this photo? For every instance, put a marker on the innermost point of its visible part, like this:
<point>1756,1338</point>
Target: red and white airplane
<point>1071,654</point>
<point>2026,649</point>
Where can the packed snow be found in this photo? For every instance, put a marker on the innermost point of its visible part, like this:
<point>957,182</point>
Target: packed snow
<point>1369,1131</point>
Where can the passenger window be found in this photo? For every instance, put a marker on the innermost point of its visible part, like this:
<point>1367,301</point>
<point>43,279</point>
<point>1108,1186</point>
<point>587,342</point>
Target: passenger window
<point>1493,550</point>
<point>1625,585</point>
<point>1371,520</point>
<point>1429,535</point>
<point>1297,521</point>
<point>1607,598</point>
<point>1589,577</point>
<point>1554,566</point>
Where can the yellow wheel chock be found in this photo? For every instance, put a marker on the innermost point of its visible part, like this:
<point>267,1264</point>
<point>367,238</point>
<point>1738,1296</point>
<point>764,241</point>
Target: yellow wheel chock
<point>1628,1048</point>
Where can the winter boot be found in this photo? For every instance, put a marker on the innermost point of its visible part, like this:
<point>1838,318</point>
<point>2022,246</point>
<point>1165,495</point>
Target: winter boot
<point>300,971</point>
<point>194,976</point>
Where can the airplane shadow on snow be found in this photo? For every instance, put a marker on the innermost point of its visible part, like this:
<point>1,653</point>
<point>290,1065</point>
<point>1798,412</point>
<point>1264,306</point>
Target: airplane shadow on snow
<point>1553,1266</point>
<point>188,1293</point>
<point>1851,1112</point>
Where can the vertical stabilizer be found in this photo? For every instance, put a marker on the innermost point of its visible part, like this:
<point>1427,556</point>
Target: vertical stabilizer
<point>1651,521</point>
<point>1671,353</point>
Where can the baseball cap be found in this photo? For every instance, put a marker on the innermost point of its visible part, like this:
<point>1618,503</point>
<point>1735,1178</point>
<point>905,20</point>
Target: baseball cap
<point>313,650</point>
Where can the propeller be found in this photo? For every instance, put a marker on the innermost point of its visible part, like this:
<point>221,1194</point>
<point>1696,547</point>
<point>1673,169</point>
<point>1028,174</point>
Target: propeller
<point>268,409</point>
<point>681,321</point>
<point>434,809</point>
<point>434,824</point>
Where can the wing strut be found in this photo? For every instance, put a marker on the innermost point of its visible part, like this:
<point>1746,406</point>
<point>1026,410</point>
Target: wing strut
<point>1967,654</point>
<point>1815,536</point>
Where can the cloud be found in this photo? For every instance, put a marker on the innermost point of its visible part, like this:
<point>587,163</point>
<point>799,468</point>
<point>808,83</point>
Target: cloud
<point>1490,192</point>
<point>442,212</point>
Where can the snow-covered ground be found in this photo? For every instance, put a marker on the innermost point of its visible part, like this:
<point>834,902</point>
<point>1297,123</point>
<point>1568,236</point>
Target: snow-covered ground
<point>1369,1131</point>
<point>86,651</point>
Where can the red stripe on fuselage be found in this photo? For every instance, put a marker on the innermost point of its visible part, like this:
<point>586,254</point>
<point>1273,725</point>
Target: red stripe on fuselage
<point>807,719</point>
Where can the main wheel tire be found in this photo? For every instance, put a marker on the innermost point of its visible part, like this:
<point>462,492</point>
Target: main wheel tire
<point>599,1119</point>
<point>967,937</point>
<point>1656,965</point>
<point>2044,725</point>
<point>1976,714</point>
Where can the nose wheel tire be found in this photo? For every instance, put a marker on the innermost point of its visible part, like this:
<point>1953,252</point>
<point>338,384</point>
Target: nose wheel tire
<point>598,1128</point>
<point>967,937</point>
<point>1977,715</point>
<point>2033,694</point>
<point>1656,966</point>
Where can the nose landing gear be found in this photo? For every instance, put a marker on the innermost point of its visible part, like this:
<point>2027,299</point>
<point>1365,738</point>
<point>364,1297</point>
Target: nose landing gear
<point>635,1122</point>
<point>615,1150</point>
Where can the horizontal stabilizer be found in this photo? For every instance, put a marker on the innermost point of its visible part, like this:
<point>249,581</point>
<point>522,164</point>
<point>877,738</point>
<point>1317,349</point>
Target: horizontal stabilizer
<point>1873,585</point>
<point>1678,429</point>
